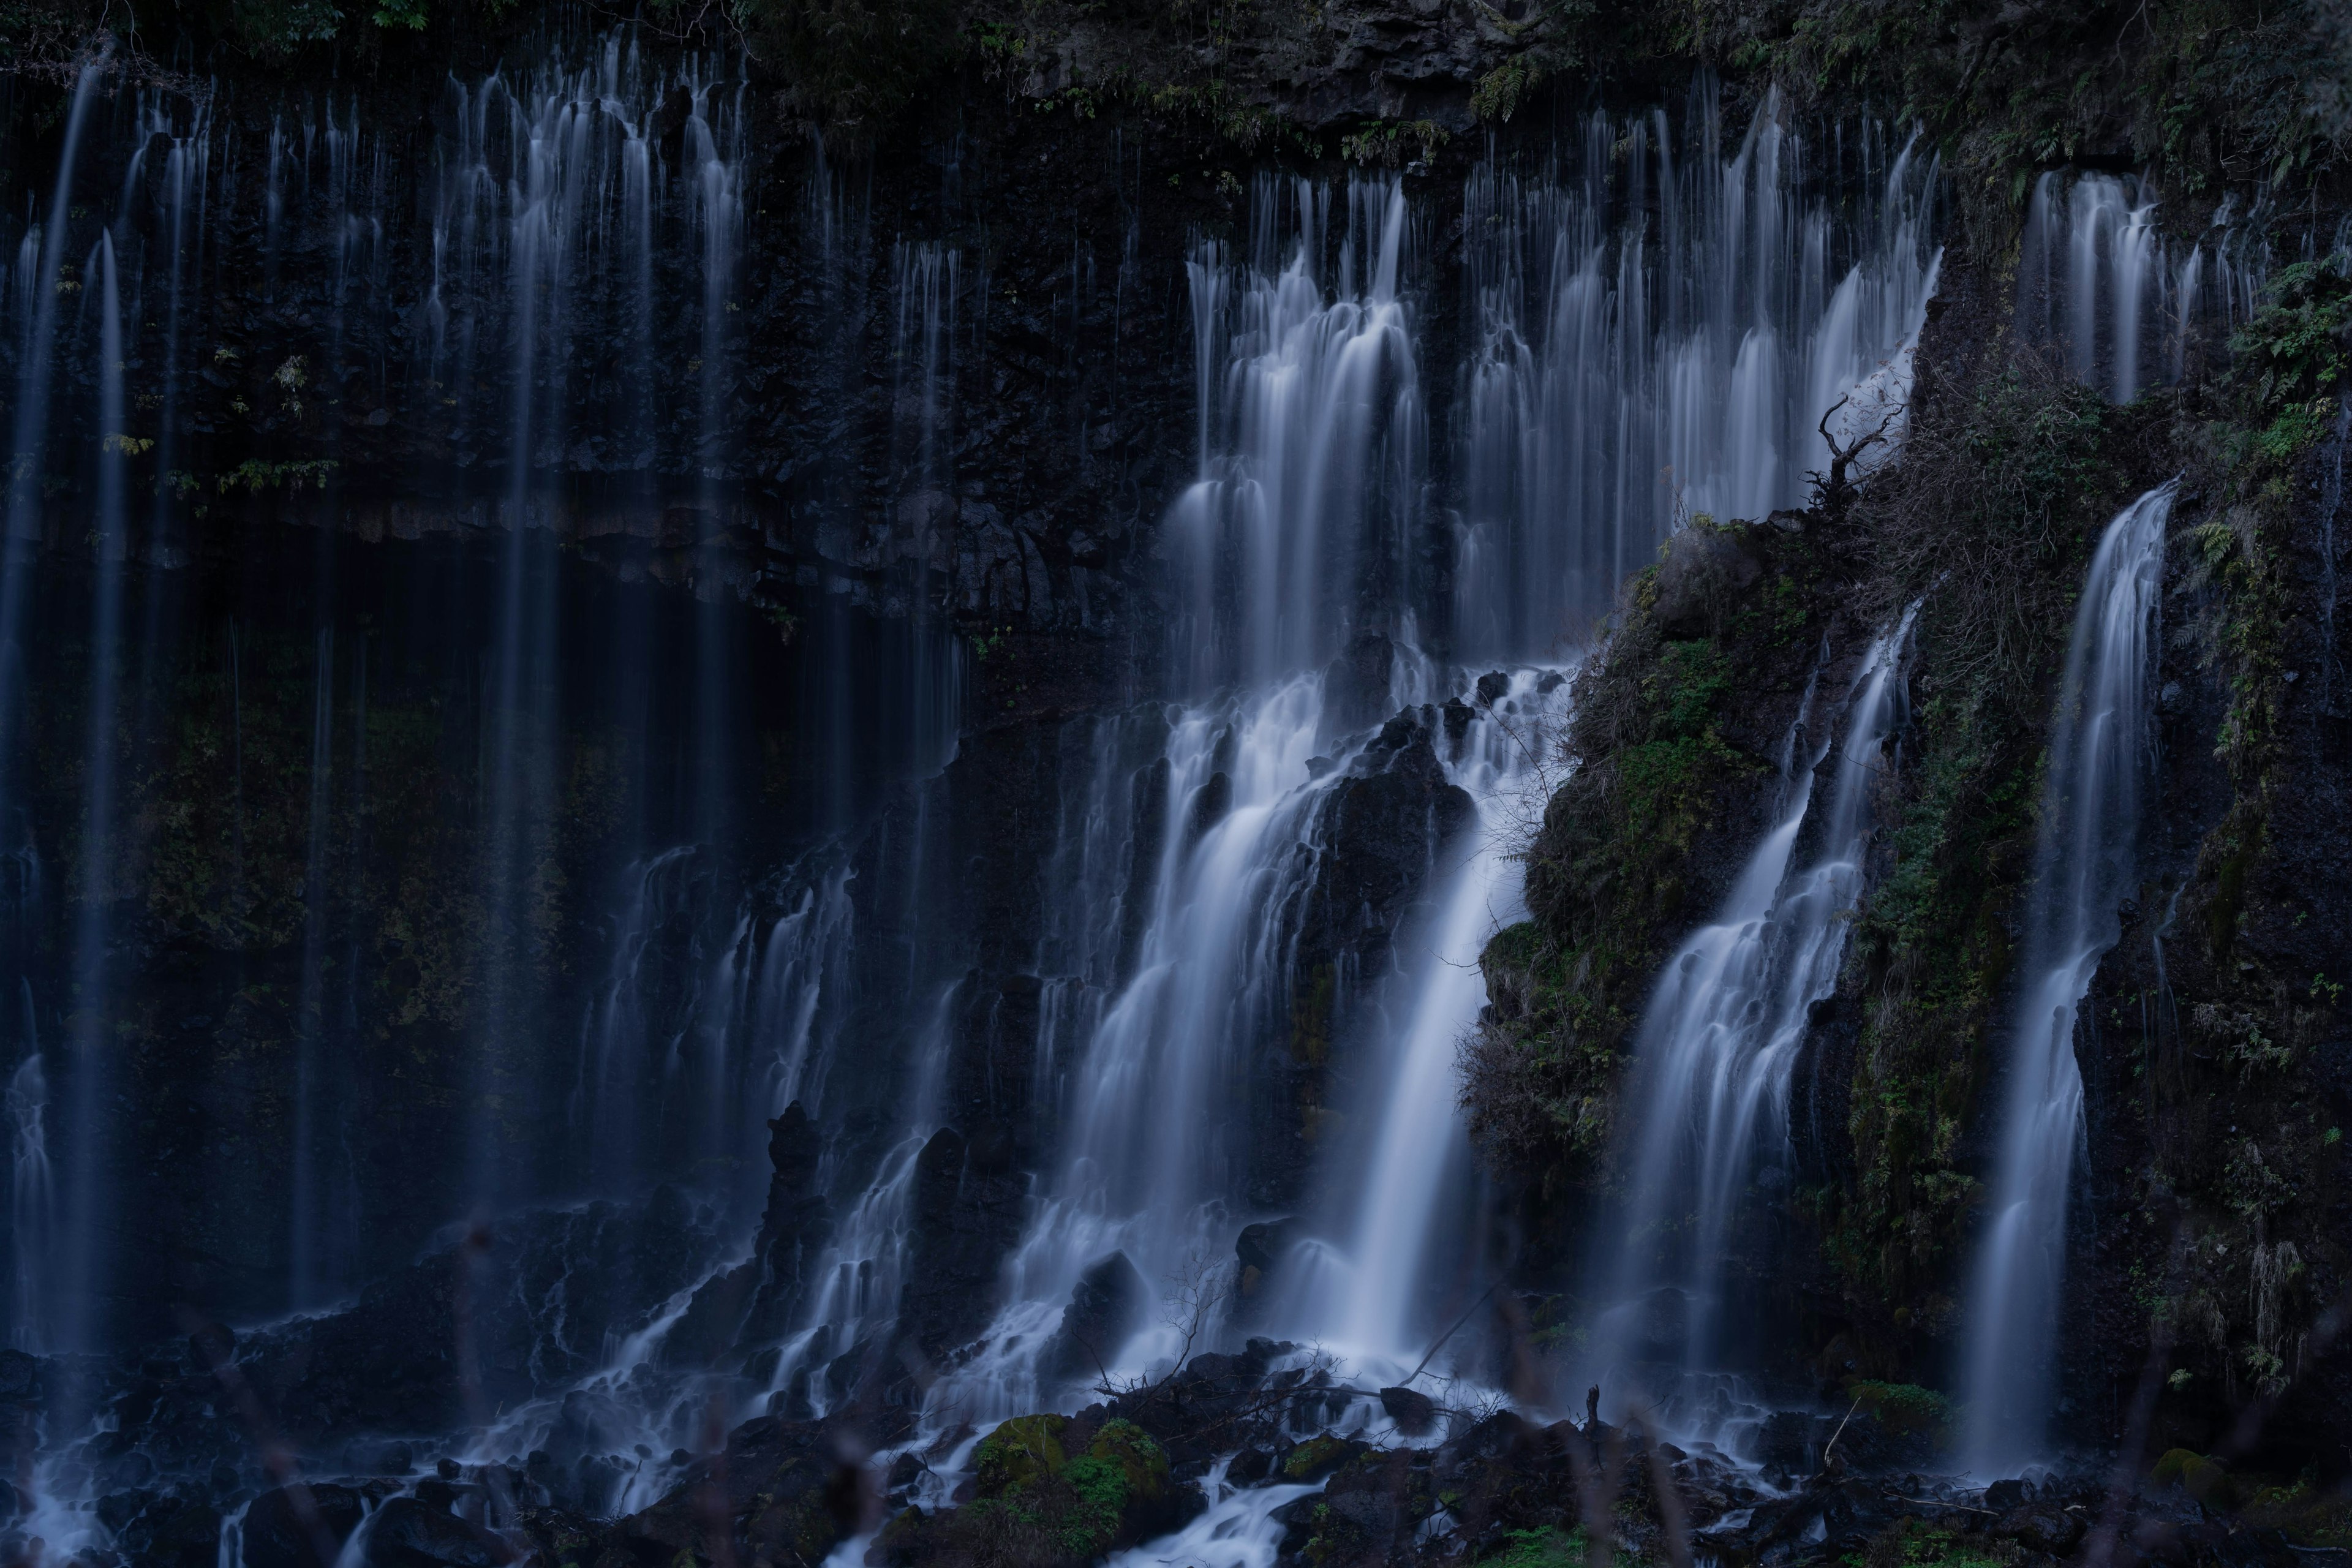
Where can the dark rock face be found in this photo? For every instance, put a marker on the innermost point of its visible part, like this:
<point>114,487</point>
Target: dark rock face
<point>1106,1306</point>
<point>408,1532</point>
<point>781,1491</point>
<point>1374,848</point>
<point>397,1361</point>
<point>299,1526</point>
<point>968,1209</point>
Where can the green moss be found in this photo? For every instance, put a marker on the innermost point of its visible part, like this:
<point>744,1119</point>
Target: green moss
<point>1905,1406</point>
<point>1018,1454</point>
<point>1073,1508</point>
<point>2198,1475</point>
<point>1914,1543</point>
<point>1550,1547</point>
<point>1315,1458</point>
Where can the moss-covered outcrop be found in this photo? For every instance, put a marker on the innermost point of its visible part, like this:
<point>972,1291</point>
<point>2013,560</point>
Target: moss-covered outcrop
<point>1047,1490</point>
<point>1681,719</point>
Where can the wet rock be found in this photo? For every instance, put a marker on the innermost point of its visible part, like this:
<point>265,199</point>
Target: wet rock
<point>2040,1527</point>
<point>1104,1310</point>
<point>966,1217</point>
<point>1413,1411</point>
<point>1704,572</point>
<point>173,1532</point>
<point>1364,1512</point>
<point>1382,830</point>
<point>1790,1441</point>
<point>2002,1496</point>
<point>1457,715</point>
<point>1090,1483</point>
<point>1209,805</point>
<point>2194,1474</point>
<point>1253,1466</point>
<point>778,1490</point>
<point>1318,1458</point>
<point>1355,686</point>
<point>409,1533</point>
<point>796,1223</point>
<point>299,1526</point>
<point>1258,1253</point>
<point>907,1538</point>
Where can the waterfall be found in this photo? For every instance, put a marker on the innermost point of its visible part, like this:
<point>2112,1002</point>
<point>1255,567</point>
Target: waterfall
<point>1659,334</point>
<point>39,262</point>
<point>714,173</point>
<point>1309,507</point>
<point>2118,302</point>
<point>1293,539</point>
<point>2083,871</point>
<point>90,1039</point>
<point>187,170</point>
<point>1370,1300</point>
<point>39,1256</point>
<point>1718,1045</point>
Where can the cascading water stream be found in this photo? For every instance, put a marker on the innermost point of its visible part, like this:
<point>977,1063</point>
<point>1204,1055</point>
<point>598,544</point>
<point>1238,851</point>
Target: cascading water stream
<point>1193,835</point>
<point>1320,408</point>
<point>41,1255</point>
<point>2083,859</point>
<point>312,1277</point>
<point>1366,1301</point>
<point>2116,300</point>
<point>1659,336</point>
<point>1716,1049</point>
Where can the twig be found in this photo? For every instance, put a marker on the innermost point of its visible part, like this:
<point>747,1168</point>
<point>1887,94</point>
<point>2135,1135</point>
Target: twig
<point>1451,1332</point>
<point>1831,1444</point>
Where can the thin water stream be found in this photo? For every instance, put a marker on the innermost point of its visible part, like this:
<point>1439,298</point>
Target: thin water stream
<point>2083,871</point>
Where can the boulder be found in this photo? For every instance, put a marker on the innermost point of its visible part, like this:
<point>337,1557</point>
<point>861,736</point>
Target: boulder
<point>1413,1411</point>
<point>2040,1527</point>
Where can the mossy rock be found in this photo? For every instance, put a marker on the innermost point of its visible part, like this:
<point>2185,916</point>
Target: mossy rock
<point>2198,1475</point>
<point>1018,1454</point>
<point>1076,1506</point>
<point>1318,1458</point>
<point>1124,1450</point>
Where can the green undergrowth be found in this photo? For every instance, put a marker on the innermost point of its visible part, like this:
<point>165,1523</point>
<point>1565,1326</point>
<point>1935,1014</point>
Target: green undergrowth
<point>1914,1543</point>
<point>1550,1547</point>
<point>2289,373</point>
<point>1664,754</point>
<point>1055,1506</point>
